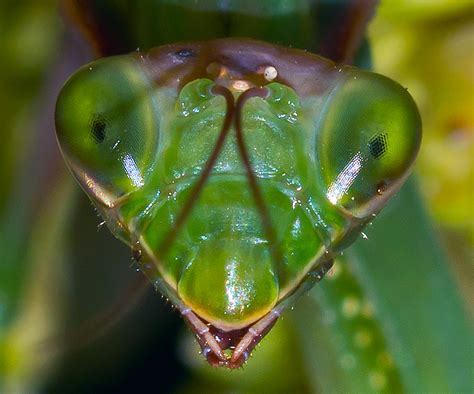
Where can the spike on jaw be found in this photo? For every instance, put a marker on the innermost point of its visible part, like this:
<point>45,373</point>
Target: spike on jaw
<point>230,349</point>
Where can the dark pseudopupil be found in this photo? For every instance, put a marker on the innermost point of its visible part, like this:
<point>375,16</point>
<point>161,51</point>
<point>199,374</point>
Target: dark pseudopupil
<point>98,126</point>
<point>378,145</point>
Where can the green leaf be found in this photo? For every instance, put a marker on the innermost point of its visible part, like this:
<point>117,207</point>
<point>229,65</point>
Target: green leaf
<point>398,288</point>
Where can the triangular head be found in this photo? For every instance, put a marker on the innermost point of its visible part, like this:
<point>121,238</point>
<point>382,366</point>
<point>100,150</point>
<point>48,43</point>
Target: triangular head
<point>236,169</point>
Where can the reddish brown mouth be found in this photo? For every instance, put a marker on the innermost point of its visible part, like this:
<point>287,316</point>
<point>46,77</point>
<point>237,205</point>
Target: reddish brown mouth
<point>230,349</point>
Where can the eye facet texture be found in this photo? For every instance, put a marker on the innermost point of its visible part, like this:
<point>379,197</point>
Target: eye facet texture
<point>369,136</point>
<point>106,123</point>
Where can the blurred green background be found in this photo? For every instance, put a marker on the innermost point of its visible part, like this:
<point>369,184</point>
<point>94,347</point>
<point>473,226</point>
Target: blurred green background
<point>395,315</point>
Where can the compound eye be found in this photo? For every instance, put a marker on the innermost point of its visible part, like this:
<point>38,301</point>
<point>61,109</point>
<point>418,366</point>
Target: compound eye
<point>369,138</point>
<point>107,126</point>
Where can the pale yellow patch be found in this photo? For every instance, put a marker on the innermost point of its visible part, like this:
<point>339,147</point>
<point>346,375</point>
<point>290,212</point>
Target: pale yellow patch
<point>377,380</point>
<point>350,307</point>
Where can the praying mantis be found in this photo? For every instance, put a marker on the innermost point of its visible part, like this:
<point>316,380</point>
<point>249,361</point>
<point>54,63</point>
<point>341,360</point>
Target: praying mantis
<point>100,129</point>
<point>236,170</point>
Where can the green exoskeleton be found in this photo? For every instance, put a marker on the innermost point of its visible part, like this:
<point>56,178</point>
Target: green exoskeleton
<point>235,170</point>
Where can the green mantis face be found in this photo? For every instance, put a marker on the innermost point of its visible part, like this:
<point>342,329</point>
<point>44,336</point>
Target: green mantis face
<point>236,170</point>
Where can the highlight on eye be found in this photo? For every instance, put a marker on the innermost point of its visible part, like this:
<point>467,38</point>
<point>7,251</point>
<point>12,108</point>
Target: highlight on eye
<point>369,137</point>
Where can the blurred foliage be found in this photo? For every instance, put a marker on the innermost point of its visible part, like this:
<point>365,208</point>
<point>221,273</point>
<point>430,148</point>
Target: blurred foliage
<point>29,36</point>
<point>389,318</point>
